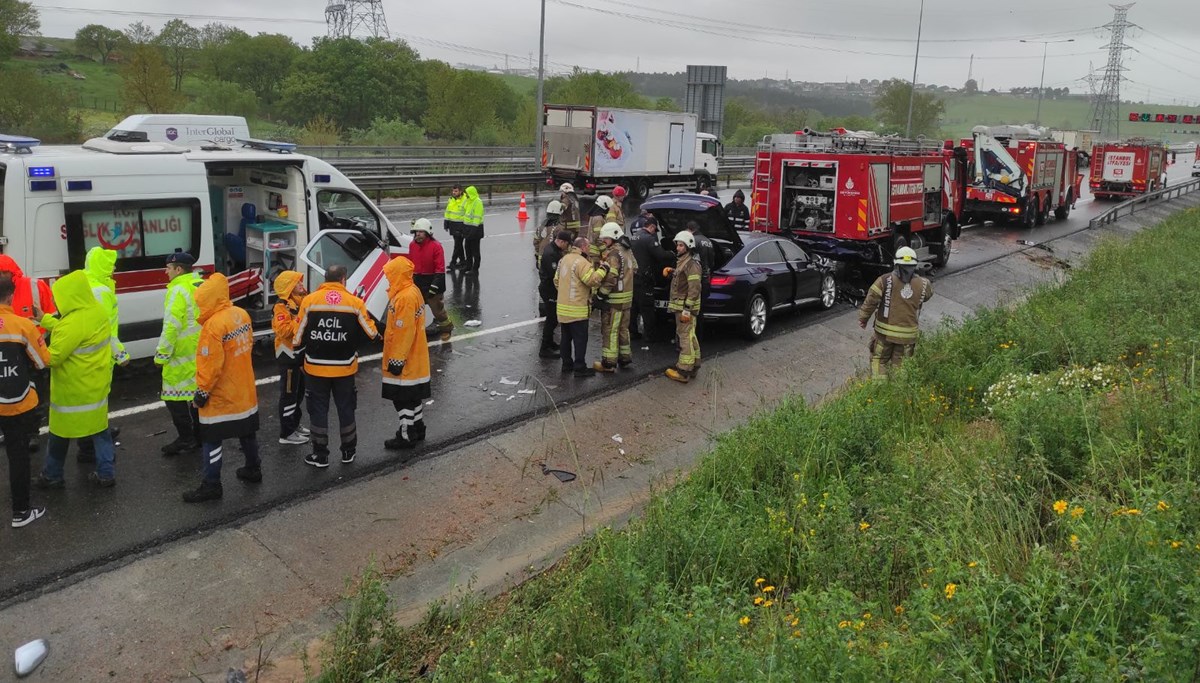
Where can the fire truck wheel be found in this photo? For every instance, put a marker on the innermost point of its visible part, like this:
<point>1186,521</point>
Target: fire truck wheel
<point>942,256</point>
<point>754,321</point>
<point>1063,211</point>
<point>1041,213</point>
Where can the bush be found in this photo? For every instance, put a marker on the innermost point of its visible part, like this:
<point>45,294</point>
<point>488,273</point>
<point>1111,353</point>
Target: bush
<point>36,107</point>
<point>389,133</point>
<point>225,98</point>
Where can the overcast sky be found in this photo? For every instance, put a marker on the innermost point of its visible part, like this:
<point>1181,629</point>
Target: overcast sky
<point>825,40</point>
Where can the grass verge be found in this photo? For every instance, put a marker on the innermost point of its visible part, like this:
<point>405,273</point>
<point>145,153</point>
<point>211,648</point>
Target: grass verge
<point>1018,503</point>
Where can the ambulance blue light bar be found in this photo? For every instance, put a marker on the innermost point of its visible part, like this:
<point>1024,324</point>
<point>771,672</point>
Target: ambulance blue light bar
<point>43,185</point>
<point>79,185</point>
<point>41,171</point>
<point>18,144</point>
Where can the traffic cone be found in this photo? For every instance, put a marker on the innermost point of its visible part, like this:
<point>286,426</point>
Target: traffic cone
<point>523,212</point>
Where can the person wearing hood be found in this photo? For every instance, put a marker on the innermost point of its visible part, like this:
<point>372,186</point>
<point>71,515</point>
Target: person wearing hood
<point>895,299</point>
<point>405,355</point>
<point>176,351</point>
<point>617,213</point>
<point>226,395</point>
<point>31,294</point>
<point>737,212</point>
<point>81,365</point>
<point>472,228</point>
<point>22,351</point>
<point>289,287</point>
<point>452,222</point>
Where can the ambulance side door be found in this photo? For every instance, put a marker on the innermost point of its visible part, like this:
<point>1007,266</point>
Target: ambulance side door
<point>363,253</point>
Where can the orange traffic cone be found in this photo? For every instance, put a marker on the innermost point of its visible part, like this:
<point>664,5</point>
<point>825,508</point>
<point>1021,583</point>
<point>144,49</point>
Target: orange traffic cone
<point>523,212</point>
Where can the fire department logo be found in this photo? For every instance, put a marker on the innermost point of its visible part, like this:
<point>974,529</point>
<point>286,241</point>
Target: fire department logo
<point>333,298</point>
<point>849,183</point>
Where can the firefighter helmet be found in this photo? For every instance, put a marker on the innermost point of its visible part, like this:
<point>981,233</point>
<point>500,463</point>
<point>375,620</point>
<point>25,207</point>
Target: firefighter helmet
<point>422,225</point>
<point>554,208</point>
<point>612,231</point>
<point>619,191</point>
<point>686,238</point>
<point>905,256</point>
<point>604,202</point>
<point>566,187</point>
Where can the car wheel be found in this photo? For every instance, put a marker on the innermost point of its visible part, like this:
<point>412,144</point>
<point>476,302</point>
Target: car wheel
<point>754,322</point>
<point>828,291</point>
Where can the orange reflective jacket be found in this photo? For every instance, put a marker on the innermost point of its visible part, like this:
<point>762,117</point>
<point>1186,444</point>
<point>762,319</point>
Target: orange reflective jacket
<point>286,317</point>
<point>224,371</point>
<point>333,324</point>
<point>404,339</point>
<point>22,350</point>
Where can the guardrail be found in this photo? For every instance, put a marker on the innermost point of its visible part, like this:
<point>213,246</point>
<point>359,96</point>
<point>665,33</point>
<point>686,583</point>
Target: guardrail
<point>355,151</point>
<point>467,166</point>
<point>1132,206</point>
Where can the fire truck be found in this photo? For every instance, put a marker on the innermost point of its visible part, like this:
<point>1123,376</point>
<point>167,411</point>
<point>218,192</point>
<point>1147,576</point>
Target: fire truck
<point>857,197</point>
<point>1127,169</point>
<point>1018,174</point>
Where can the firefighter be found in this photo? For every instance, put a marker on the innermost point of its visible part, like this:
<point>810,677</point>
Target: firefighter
<point>596,214</point>
<point>405,355</point>
<point>289,287</point>
<point>547,267</point>
<point>333,324</point>
<point>617,213</point>
<point>685,304</point>
<point>570,209</point>
<point>737,212</point>
<point>546,231</point>
<point>617,293</point>
<point>226,396</point>
<point>176,352</point>
<point>22,351</point>
<point>472,228</point>
<point>575,280</point>
<point>429,264</point>
<point>80,382</point>
<point>651,259</point>
<point>895,299</point>
<point>452,221</point>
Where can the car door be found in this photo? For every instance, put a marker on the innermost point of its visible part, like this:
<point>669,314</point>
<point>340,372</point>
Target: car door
<point>767,261</point>
<point>808,275</point>
<point>363,253</point>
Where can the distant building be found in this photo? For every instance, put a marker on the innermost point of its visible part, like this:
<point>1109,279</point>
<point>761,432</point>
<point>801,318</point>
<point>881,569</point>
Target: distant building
<point>36,47</point>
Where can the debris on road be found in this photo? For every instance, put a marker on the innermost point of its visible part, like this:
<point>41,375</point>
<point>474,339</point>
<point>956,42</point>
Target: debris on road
<point>617,438</point>
<point>509,382</point>
<point>473,323</point>
<point>527,391</point>
<point>562,475</point>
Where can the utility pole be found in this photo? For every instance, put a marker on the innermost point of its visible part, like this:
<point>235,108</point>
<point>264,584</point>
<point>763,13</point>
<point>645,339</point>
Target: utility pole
<point>912,93</point>
<point>1105,107</point>
<point>537,149</point>
<point>1041,84</point>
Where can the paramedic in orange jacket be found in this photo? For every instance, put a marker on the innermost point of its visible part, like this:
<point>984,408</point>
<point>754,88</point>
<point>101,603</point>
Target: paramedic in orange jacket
<point>405,354</point>
<point>22,351</point>
<point>226,395</point>
<point>333,324</point>
<point>290,289</point>
<point>31,296</point>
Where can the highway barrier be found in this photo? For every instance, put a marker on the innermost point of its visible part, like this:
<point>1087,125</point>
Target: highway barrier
<point>1132,206</point>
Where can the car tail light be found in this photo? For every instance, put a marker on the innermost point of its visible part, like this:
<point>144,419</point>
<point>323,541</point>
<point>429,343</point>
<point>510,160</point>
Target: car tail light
<point>722,280</point>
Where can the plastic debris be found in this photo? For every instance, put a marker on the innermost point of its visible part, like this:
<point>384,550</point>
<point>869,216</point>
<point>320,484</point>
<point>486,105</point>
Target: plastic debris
<point>495,393</point>
<point>473,323</point>
<point>562,475</point>
<point>617,438</point>
<point>509,382</point>
<point>527,391</point>
<point>622,451</point>
<point>645,348</point>
<point>429,402</point>
<point>511,397</point>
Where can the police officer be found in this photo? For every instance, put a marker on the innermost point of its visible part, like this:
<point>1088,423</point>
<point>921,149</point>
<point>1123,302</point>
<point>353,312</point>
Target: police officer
<point>176,352</point>
<point>333,324</point>
<point>737,212</point>
<point>895,299</point>
<point>546,232</point>
<point>651,259</point>
<point>452,221</point>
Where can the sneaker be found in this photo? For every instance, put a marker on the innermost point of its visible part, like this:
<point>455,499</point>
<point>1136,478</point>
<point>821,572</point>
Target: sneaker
<point>603,366</point>
<point>206,491</point>
<point>681,376</point>
<point>317,460</point>
<point>20,519</point>
<point>585,372</point>
<point>101,482</point>
<point>303,431</point>
<point>44,482</point>
<point>548,352</point>
<point>250,474</point>
<point>294,439</point>
<point>347,457</point>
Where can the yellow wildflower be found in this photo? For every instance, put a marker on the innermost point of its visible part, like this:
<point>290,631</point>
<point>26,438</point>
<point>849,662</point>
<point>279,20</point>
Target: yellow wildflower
<point>867,616</point>
<point>758,600</point>
<point>768,589</point>
<point>1077,512</point>
<point>971,565</point>
<point>796,633</point>
<point>898,609</point>
<point>795,622</point>
<point>1162,506</point>
<point>1074,541</point>
<point>951,588</point>
<point>843,624</point>
<point>1060,506</point>
<point>883,645</point>
<point>1175,545</point>
<point>860,625</point>
<point>759,581</point>
<point>863,526</point>
<point>744,621</point>
<point>768,603</point>
<point>1133,511</point>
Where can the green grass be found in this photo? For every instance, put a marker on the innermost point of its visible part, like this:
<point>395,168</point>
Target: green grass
<point>901,530</point>
<point>964,112</point>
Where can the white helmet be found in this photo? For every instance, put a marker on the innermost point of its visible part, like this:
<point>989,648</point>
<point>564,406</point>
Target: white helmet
<point>567,187</point>
<point>422,225</point>
<point>554,208</point>
<point>687,238</point>
<point>604,202</point>
<point>612,231</point>
<point>906,257</point>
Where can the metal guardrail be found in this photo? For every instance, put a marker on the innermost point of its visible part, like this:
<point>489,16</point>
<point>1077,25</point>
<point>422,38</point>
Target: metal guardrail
<point>1132,206</point>
<point>353,151</point>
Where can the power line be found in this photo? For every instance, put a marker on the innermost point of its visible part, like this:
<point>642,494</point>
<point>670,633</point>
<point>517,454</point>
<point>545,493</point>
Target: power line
<point>1168,40</point>
<point>1164,64</point>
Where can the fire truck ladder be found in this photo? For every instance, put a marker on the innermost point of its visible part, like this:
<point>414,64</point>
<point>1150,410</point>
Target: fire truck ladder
<point>848,144</point>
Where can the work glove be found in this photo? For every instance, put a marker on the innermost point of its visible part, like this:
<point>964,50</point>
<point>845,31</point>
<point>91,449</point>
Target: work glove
<point>668,271</point>
<point>200,399</point>
<point>395,367</point>
<point>685,316</point>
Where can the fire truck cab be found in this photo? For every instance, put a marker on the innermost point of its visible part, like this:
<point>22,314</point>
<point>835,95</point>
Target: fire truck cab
<point>1018,174</point>
<point>857,197</point>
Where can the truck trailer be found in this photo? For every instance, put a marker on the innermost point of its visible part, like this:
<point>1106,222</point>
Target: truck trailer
<point>1127,169</point>
<point>598,148</point>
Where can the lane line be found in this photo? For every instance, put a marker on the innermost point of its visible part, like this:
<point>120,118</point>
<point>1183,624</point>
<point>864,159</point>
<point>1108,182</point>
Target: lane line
<point>137,410</point>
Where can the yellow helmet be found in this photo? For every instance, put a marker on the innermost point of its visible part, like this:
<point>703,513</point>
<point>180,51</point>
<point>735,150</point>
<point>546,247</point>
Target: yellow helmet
<point>905,256</point>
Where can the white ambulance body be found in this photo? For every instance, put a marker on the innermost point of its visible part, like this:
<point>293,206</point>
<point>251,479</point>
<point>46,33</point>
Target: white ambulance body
<point>148,199</point>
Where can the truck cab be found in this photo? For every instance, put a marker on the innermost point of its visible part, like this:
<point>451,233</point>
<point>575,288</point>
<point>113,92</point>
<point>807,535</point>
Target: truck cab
<point>708,150</point>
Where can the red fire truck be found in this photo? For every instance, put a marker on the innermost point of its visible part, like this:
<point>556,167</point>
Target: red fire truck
<point>857,197</point>
<point>1127,169</point>
<point>1017,174</point>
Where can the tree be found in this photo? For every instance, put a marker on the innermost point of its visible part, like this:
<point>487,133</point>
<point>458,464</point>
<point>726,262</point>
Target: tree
<point>139,34</point>
<point>892,106</point>
<point>17,19</point>
<point>98,40</point>
<point>179,42</point>
<point>594,89</point>
<point>493,105</point>
<point>260,63</point>
<point>37,107</point>
<point>971,86</point>
<point>146,82</point>
<point>214,38</point>
<point>666,104</point>
<point>223,97</point>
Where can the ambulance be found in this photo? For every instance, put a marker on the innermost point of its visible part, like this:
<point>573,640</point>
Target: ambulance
<point>249,210</point>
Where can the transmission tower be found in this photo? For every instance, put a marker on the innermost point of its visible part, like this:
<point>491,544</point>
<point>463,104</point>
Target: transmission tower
<point>1106,105</point>
<point>356,19</point>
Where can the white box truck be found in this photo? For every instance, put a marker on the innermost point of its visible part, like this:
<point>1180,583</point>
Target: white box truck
<point>183,129</point>
<point>597,148</point>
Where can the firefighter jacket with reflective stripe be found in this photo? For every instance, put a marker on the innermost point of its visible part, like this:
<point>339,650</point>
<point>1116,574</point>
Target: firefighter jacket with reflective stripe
<point>617,286</point>
<point>224,370</point>
<point>575,280</point>
<point>896,306</point>
<point>176,351</point>
<point>454,210</point>
<point>616,214</point>
<point>429,266</point>
<point>80,361</point>
<point>333,324</point>
<point>404,338</point>
<point>285,318</point>
<point>685,285</point>
<point>22,350</point>
<point>570,212</point>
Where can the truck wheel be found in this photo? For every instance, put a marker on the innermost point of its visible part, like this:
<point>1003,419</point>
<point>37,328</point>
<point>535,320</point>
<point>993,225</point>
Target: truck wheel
<point>1042,212</point>
<point>754,320</point>
<point>1027,221</point>
<point>1063,211</point>
<point>943,250</point>
<point>642,188</point>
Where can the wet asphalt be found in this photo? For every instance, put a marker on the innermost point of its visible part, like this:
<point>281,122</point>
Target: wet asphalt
<point>486,379</point>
